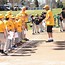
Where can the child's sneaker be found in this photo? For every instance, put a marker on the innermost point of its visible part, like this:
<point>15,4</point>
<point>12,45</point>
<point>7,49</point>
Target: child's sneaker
<point>39,32</point>
<point>3,52</point>
<point>26,39</point>
<point>33,33</point>
<point>50,40</point>
<point>13,47</point>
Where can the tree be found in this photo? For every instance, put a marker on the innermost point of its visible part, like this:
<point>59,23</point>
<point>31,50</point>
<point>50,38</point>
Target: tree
<point>59,4</point>
<point>23,2</point>
<point>4,1</point>
<point>36,3</point>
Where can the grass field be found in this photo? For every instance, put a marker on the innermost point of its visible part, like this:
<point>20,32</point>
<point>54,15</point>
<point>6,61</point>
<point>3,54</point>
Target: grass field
<point>55,12</point>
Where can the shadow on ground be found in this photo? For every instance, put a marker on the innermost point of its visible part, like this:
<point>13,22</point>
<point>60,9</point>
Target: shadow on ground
<point>60,45</point>
<point>26,49</point>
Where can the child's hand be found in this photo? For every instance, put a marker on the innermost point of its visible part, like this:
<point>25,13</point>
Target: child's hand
<point>8,34</point>
<point>14,35</point>
<point>43,21</point>
<point>4,36</point>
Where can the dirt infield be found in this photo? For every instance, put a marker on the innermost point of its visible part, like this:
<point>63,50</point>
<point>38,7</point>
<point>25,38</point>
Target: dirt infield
<point>37,51</point>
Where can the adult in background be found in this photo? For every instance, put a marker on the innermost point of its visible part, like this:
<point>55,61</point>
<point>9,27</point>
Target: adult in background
<point>63,19</point>
<point>60,22</point>
<point>49,22</point>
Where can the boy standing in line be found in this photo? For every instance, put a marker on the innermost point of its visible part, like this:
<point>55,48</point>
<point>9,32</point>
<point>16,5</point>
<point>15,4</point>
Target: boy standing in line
<point>10,33</point>
<point>24,18</point>
<point>18,29</point>
<point>33,24</point>
<point>2,35</point>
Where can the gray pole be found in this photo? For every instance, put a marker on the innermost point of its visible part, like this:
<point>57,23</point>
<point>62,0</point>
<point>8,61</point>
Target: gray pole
<point>7,0</point>
<point>51,4</point>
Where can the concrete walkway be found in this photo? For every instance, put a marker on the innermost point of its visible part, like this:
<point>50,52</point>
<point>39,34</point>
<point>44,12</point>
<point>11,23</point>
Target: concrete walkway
<point>38,52</point>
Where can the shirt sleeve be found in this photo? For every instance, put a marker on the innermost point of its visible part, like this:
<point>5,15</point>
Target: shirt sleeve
<point>49,13</point>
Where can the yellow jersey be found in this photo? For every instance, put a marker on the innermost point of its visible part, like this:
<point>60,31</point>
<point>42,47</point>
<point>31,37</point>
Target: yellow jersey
<point>18,25</point>
<point>10,25</point>
<point>2,26</point>
<point>24,16</point>
<point>49,21</point>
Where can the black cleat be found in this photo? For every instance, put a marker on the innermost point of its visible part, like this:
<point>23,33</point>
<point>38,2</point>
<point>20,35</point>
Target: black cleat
<point>39,32</point>
<point>49,41</point>
<point>33,33</point>
<point>26,39</point>
<point>3,52</point>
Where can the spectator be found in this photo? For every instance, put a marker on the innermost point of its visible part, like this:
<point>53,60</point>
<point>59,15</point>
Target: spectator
<point>60,22</point>
<point>63,19</point>
<point>33,24</point>
<point>37,23</point>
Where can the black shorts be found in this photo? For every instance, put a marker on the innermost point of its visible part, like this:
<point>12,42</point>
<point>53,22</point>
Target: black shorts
<point>49,28</point>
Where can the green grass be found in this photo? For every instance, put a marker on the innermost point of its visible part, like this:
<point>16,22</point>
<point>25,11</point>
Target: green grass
<point>64,4</point>
<point>55,11</point>
<point>13,12</point>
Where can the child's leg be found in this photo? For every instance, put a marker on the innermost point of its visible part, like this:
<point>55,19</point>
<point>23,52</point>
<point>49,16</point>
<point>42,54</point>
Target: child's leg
<point>16,40</point>
<point>20,36</point>
<point>2,41</point>
<point>2,46</point>
<point>33,28</point>
<point>23,34</point>
<point>38,28</point>
<point>8,45</point>
<point>41,28</point>
<point>12,44</point>
<point>61,26</point>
